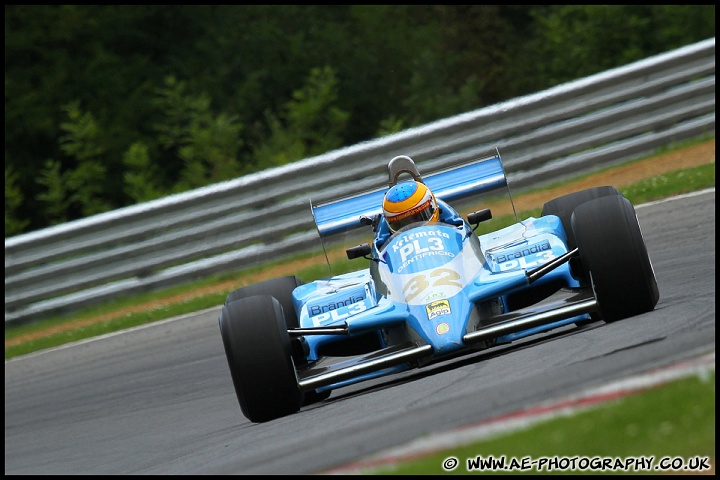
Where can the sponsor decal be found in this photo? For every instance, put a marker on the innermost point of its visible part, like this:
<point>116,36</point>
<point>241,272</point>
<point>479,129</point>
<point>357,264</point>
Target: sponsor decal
<point>437,308</point>
<point>411,212</point>
<point>314,310</point>
<point>339,313</point>
<point>414,246</point>
<point>529,250</point>
<point>409,237</point>
<point>524,258</point>
<point>442,329</point>
<point>433,296</point>
<point>421,256</point>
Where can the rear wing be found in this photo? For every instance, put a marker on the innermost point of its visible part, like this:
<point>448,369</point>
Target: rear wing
<point>450,185</point>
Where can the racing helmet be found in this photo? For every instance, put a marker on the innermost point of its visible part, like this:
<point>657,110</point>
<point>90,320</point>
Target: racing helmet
<point>409,202</point>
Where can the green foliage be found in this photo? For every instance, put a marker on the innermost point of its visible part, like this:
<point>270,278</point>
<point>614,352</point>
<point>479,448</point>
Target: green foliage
<point>55,197</point>
<point>311,123</point>
<point>82,186</point>
<point>82,134</point>
<point>141,175</point>
<point>177,110</point>
<point>574,41</point>
<point>463,72</point>
<point>281,147</point>
<point>207,144</point>
<point>312,114</point>
<point>389,126</point>
<point>211,153</point>
<point>86,182</point>
<point>13,201</point>
<point>88,185</point>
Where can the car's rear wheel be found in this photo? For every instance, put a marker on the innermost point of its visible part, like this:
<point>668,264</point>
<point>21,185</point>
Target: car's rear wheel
<point>257,347</point>
<point>613,254</point>
<point>281,288</point>
<point>564,207</point>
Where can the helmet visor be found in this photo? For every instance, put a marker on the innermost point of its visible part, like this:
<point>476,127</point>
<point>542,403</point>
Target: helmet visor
<point>421,213</point>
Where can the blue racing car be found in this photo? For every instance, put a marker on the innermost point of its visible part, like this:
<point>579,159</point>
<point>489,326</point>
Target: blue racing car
<point>429,288</point>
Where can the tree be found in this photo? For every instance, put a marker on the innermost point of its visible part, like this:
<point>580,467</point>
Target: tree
<point>141,177</point>
<point>55,196</point>
<point>210,156</point>
<point>574,41</point>
<point>87,181</point>
<point>80,189</point>
<point>311,123</point>
<point>207,145</point>
<point>14,224</point>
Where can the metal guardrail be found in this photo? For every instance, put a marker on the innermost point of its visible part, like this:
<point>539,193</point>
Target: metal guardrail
<point>577,127</point>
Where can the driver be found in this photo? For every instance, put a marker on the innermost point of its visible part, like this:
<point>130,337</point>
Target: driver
<point>410,202</point>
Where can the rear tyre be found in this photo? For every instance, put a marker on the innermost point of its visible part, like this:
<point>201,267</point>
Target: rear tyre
<point>281,288</point>
<point>564,207</point>
<point>257,347</point>
<point>613,254</point>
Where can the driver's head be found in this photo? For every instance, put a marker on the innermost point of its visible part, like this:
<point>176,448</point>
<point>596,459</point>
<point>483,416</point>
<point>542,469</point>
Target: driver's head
<point>409,202</point>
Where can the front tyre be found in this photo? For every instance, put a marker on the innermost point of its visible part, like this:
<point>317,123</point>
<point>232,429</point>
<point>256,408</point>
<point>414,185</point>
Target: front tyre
<point>257,347</point>
<point>613,254</point>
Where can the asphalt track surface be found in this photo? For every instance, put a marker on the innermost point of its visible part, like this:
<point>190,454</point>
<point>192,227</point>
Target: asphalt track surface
<point>159,399</point>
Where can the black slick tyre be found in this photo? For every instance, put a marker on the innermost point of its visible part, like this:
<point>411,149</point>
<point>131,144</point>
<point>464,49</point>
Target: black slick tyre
<point>257,347</point>
<point>564,207</point>
<point>281,288</point>
<point>613,254</point>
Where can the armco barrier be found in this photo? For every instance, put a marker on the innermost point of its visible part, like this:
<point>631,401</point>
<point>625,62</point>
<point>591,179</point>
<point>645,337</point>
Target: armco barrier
<point>577,127</point>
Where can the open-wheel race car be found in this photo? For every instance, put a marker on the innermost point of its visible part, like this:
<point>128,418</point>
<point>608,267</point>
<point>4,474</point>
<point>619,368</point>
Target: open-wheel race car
<point>433,289</point>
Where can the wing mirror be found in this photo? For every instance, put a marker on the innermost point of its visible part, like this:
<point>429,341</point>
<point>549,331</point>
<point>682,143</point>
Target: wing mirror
<point>476,218</point>
<point>362,250</point>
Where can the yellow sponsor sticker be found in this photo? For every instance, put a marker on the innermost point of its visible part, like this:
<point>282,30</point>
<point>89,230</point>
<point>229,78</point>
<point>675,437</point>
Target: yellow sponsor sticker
<point>437,308</point>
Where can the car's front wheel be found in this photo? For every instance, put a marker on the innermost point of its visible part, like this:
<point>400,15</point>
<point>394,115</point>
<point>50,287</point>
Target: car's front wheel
<point>614,256</point>
<point>257,347</point>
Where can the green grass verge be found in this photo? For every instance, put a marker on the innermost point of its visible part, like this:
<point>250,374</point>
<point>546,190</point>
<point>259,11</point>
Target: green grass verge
<point>675,420</point>
<point>662,186</point>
